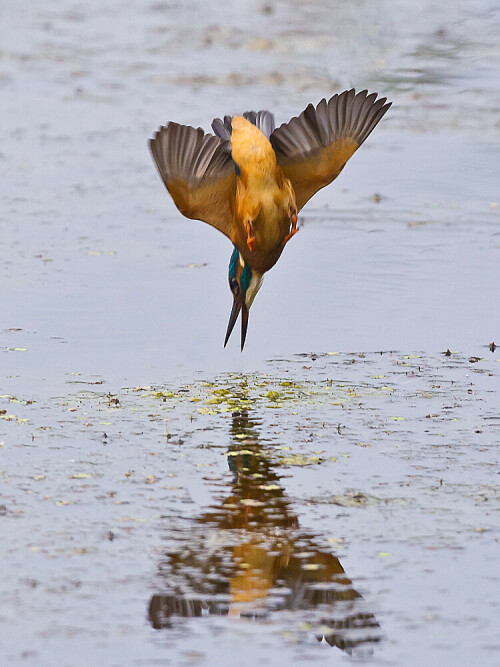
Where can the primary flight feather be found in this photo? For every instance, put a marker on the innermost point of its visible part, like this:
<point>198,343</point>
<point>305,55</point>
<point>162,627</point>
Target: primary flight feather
<point>251,180</point>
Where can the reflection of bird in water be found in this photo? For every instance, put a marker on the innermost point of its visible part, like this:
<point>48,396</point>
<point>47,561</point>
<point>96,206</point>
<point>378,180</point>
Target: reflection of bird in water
<point>247,556</point>
<point>251,180</point>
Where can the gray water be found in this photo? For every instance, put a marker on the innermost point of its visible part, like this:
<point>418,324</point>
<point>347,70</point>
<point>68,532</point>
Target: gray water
<point>166,501</point>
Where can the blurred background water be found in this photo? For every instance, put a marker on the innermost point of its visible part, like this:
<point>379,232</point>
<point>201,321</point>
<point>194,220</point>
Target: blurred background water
<point>95,257</point>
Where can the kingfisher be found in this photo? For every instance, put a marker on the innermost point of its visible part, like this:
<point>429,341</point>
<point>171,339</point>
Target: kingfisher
<point>250,179</point>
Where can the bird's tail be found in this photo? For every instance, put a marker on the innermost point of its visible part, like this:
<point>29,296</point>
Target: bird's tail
<point>263,120</point>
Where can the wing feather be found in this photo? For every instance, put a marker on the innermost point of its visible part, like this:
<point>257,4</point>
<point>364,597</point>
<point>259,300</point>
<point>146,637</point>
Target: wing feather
<point>313,148</point>
<point>198,171</point>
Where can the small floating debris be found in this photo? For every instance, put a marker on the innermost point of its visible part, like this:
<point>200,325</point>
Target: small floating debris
<point>356,499</point>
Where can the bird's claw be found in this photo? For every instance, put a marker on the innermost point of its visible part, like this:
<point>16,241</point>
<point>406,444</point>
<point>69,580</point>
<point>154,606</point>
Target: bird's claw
<point>289,236</point>
<point>293,231</point>
<point>250,239</point>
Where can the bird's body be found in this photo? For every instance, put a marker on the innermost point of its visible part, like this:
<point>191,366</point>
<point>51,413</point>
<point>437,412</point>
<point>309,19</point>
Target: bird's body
<point>251,179</point>
<point>265,200</point>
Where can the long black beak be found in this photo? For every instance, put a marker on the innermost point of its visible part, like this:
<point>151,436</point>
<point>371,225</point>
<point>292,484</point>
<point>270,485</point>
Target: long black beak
<point>232,318</point>
<point>238,305</point>
<point>244,324</point>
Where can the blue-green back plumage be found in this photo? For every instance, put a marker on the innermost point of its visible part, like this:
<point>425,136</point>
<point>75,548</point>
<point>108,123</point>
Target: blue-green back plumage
<point>246,274</point>
<point>233,264</point>
<point>245,278</point>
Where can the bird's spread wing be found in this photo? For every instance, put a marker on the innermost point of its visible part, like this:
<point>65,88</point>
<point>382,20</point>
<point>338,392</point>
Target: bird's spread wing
<point>263,120</point>
<point>199,173</point>
<point>313,148</point>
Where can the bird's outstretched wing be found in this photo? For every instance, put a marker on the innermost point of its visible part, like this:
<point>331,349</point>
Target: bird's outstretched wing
<point>199,173</point>
<point>263,120</point>
<point>313,148</point>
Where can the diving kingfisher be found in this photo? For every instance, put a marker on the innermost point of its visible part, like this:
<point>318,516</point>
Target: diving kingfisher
<point>251,179</point>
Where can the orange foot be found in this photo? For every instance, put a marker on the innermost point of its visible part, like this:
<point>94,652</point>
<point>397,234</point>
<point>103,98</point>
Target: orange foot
<point>293,231</point>
<point>250,239</point>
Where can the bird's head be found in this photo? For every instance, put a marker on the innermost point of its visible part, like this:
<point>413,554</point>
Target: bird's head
<point>244,284</point>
